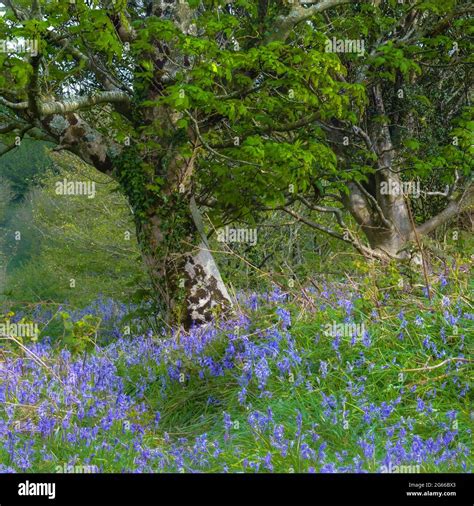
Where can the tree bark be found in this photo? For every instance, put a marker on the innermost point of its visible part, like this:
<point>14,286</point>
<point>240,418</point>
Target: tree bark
<point>383,216</point>
<point>386,228</point>
<point>181,266</point>
<point>184,275</point>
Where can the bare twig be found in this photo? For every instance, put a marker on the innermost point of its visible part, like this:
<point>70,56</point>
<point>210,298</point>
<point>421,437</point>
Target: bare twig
<point>444,362</point>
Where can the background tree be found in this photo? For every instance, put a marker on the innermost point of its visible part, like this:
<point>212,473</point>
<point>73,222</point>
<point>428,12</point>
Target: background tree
<point>415,125</point>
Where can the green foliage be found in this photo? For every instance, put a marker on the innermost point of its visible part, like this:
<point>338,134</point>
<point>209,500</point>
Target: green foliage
<point>23,165</point>
<point>79,336</point>
<point>78,246</point>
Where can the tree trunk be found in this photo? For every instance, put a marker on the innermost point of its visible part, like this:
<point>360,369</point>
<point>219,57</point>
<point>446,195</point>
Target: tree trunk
<point>387,230</point>
<point>383,216</point>
<point>182,269</point>
<point>183,273</point>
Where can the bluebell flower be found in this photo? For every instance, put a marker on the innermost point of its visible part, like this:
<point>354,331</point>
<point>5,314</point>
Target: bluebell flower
<point>329,468</point>
<point>366,339</point>
<point>451,415</point>
<point>268,461</point>
<point>262,372</point>
<point>323,368</point>
<point>307,452</point>
<point>242,395</point>
<point>299,423</point>
<point>285,317</point>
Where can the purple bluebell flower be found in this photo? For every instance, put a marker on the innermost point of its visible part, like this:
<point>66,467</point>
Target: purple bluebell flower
<point>268,461</point>
<point>285,317</point>
<point>262,372</point>
<point>323,368</point>
<point>366,341</point>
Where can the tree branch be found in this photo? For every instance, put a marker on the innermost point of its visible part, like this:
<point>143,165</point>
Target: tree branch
<point>376,205</point>
<point>108,82</point>
<point>315,225</point>
<point>70,105</point>
<point>450,212</point>
<point>284,24</point>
